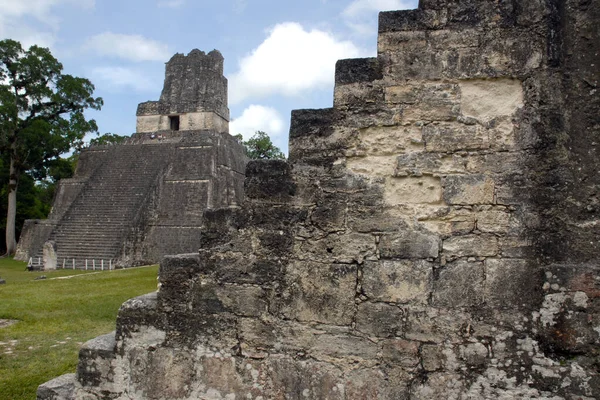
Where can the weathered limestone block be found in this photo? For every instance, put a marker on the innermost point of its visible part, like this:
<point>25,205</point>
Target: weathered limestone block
<point>485,100</point>
<point>432,357</point>
<point>411,20</point>
<point>371,219</point>
<point>344,347</point>
<point>493,163</point>
<point>494,220</point>
<point>449,138</point>
<point>357,70</point>
<point>401,352</point>
<point>511,282</point>
<point>409,244</point>
<point>176,273</point>
<point>162,372</point>
<point>513,246</point>
<point>338,248</point>
<point>96,368</point>
<point>416,164</point>
<point>484,245</point>
<point>402,94</point>
<point>373,165</point>
<point>448,221</point>
<point>413,190</point>
<point>436,325</point>
<point>354,95</point>
<point>329,213</point>
<point>245,301</point>
<point>311,131</point>
<point>332,301</point>
<point>269,180</point>
<point>459,284</point>
<point>139,318</point>
<point>468,189</point>
<point>438,386</point>
<point>61,388</point>
<point>401,281</point>
<point>437,102</point>
<point>261,337</point>
<point>380,320</point>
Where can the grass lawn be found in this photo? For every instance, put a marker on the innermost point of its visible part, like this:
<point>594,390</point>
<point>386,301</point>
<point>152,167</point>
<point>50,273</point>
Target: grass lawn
<point>55,316</point>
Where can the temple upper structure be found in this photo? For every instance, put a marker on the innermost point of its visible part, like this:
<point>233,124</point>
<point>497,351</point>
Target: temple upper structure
<point>194,96</point>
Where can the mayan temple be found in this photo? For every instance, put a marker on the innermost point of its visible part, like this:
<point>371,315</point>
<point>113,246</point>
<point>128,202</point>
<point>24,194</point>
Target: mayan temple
<point>433,235</point>
<point>133,203</point>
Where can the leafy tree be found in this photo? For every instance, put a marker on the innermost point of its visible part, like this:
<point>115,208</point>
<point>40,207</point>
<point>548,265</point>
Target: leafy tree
<point>260,147</point>
<point>41,116</point>
<point>107,138</point>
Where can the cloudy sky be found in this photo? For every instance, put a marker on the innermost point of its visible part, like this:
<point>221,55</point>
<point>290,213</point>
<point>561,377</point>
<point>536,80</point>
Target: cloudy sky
<point>279,55</point>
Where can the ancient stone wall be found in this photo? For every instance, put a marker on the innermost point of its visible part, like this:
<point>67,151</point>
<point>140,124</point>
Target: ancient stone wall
<point>432,236</point>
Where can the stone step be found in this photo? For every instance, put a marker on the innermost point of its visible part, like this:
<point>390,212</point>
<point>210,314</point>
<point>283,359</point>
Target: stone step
<point>61,388</point>
<point>99,219</point>
<point>95,358</point>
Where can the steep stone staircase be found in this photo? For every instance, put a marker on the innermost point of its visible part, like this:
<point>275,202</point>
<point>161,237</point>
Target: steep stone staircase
<point>99,220</point>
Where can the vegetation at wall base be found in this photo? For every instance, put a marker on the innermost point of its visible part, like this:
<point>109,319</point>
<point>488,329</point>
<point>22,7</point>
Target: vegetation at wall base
<point>56,316</point>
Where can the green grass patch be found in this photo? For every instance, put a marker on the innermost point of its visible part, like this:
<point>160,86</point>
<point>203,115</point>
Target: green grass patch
<point>55,316</point>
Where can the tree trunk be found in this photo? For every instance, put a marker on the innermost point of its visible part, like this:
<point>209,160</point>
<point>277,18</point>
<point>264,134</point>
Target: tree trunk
<point>11,241</point>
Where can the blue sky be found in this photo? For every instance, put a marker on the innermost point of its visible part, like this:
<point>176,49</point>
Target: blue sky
<point>279,55</point>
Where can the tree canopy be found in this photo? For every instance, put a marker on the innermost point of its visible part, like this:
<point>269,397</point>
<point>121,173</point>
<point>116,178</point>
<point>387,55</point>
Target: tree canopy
<point>260,147</point>
<point>107,139</point>
<point>41,117</point>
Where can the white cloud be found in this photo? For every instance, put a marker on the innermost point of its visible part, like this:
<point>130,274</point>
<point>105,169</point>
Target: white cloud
<point>290,61</point>
<point>14,23</point>
<point>39,9</point>
<point>27,35</point>
<point>171,3</point>
<point>128,47</point>
<point>257,118</point>
<point>120,78</point>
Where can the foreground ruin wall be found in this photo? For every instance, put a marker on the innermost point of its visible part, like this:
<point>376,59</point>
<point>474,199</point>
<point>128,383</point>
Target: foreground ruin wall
<point>433,235</point>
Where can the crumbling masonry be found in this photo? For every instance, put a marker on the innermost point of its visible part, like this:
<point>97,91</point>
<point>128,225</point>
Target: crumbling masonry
<point>434,235</point>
